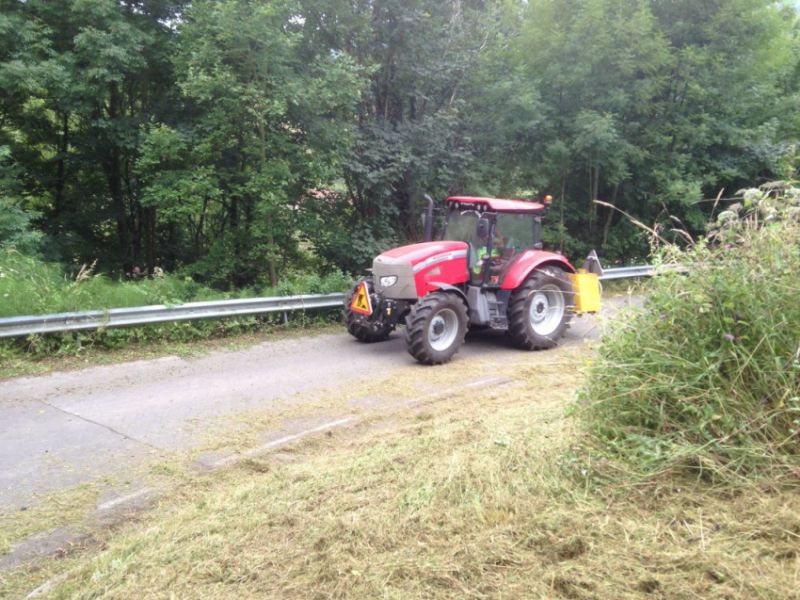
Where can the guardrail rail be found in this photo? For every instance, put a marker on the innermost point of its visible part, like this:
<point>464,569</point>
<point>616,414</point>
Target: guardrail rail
<point>161,313</point>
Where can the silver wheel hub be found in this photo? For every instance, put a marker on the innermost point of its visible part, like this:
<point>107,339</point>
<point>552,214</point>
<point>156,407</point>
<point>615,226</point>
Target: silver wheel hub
<point>443,329</point>
<point>546,310</point>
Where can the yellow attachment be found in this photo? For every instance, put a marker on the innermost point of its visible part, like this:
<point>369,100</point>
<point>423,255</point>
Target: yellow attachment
<point>587,291</point>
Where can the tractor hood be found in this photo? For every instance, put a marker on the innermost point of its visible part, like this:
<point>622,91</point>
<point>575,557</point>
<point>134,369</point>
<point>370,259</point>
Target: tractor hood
<point>417,254</point>
<point>417,269</point>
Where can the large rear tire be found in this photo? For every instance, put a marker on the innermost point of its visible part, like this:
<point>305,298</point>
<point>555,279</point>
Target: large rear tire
<point>435,328</point>
<point>362,327</point>
<point>540,309</point>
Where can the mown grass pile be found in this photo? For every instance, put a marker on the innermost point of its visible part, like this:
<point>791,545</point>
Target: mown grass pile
<point>29,286</point>
<point>705,378</point>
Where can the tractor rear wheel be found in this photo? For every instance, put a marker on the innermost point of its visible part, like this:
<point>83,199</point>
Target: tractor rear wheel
<point>435,328</point>
<point>361,327</point>
<point>540,309</point>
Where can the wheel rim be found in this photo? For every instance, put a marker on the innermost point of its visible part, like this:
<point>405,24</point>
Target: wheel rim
<point>443,329</point>
<point>546,309</point>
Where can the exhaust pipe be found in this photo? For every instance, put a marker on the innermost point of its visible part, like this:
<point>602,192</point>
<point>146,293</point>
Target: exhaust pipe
<point>427,234</point>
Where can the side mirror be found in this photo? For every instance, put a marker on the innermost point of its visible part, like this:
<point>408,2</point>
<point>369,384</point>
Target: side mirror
<point>483,227</point>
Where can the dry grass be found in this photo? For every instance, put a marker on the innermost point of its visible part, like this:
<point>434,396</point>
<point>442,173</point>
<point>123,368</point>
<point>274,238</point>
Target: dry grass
<point>51,511</point>
<point>470,496</point>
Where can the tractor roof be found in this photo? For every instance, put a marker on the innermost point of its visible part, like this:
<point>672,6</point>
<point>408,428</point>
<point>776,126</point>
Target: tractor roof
<point>500,204</point>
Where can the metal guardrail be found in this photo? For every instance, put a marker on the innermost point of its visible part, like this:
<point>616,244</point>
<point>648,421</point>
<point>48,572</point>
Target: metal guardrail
<point>628,272</point>
<point>144,315</point>
<point>141,315</point>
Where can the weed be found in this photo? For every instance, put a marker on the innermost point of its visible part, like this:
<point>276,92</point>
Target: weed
<point>705,378</point>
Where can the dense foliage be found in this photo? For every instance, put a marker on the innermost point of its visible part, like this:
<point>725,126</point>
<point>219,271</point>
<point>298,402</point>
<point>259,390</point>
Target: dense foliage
<point>30,286</point>
<point>236,141</point>
<point>706,376</point>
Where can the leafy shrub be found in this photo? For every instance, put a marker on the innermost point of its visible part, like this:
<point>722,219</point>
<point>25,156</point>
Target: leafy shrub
<point>16,228</point>
<point>30,286</point>
<point>706,375</point>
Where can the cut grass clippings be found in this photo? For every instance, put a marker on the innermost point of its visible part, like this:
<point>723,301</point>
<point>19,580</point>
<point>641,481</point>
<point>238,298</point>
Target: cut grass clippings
<point>469,496</point>
<point>51,511</point>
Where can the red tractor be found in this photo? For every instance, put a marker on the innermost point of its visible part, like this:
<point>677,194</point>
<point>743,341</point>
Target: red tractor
<point>488,270</point>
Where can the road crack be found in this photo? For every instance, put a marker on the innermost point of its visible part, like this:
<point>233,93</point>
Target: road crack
<point>103,425</point>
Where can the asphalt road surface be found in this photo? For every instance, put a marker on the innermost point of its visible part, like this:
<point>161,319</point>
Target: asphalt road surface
<point>64,429</point>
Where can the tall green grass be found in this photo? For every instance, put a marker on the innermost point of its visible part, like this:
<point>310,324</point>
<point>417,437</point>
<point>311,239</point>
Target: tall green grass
<point>29,286</point>
<point>705,377</point>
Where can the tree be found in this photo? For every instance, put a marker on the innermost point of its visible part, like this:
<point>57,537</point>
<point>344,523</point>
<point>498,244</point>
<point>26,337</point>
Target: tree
<point>650,106</point>
<point>259,125</point>
<point>83,75</point>
<point>239,140</point>
<point>16,228</point>
<point>409,138</point>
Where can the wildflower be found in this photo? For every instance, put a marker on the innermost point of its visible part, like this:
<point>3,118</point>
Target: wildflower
<point>730,337</point>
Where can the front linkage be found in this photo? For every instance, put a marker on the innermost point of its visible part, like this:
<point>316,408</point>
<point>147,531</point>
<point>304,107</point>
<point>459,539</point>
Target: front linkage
<point>379,320</point>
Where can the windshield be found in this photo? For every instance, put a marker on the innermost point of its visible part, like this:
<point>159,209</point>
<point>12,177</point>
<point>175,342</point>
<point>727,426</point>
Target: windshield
<point>513,232</point>
<point>461,225</point>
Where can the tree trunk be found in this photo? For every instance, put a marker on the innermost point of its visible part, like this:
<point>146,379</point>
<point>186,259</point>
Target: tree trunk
<point>61,178</point>
<point>590,211</point>
<point>594,184</point>
<point>150,238</point>
<point>198,235</point>
<point>271,267</point>
<point>610,215</point>
<point>113,169</point>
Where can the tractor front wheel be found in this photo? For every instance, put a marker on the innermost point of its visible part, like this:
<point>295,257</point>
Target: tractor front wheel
<point>540,309</point>
<point>435,328</point>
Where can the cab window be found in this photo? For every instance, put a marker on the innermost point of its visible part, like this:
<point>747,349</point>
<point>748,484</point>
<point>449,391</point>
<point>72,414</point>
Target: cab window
<point>514,233</point>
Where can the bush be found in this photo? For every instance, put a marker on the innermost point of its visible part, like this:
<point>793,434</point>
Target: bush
<point>706,375</point>
<point>30,286</point>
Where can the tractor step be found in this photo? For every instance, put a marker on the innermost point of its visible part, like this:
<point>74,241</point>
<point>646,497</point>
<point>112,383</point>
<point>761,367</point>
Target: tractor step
<point>497,312</point>
<point>488,307</point>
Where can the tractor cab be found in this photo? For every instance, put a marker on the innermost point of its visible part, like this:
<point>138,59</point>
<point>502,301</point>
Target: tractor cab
<point>496,232</point>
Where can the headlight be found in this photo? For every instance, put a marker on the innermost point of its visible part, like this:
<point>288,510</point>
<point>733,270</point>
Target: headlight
<point>388,281</point>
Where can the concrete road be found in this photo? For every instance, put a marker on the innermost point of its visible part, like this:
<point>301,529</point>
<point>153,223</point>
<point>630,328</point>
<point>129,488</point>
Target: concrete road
<point>63,429</point>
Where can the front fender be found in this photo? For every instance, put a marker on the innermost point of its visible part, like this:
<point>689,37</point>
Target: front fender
<point>520,268</point>
<point>446,287</point>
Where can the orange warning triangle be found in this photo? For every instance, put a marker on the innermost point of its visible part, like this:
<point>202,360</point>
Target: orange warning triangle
<point>361,302</point>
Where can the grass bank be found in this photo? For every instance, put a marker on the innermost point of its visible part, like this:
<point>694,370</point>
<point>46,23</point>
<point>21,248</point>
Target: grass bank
<point>29,286</point>
<point>479,495</point>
